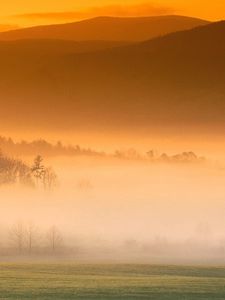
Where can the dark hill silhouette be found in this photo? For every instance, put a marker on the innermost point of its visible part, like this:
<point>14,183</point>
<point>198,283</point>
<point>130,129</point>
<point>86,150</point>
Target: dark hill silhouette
<point>197,39</point>
<point>174,80</point>
<point>108,29</point>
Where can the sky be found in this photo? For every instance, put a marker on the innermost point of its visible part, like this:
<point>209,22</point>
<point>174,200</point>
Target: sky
<point>27,13</point>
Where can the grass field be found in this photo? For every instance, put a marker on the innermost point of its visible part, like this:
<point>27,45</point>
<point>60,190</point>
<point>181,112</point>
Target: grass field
<point>71,281</point>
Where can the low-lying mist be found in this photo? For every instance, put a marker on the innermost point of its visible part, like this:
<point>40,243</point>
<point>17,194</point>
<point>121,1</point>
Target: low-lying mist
<point>121,210</point>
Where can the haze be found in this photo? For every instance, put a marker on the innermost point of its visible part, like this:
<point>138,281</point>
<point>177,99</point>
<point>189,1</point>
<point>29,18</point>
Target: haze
<point>112,122</point>
<point>128,208</point>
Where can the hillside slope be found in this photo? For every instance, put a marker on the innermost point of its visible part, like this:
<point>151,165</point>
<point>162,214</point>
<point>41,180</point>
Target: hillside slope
<point>169,81</point>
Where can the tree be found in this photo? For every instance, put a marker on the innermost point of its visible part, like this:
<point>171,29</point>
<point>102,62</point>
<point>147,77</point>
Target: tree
<point>31,236</point>
<point>54,239</point>
<point>44,175</point>
<point>49,178</point>
<point>17,236</point>
<point>23,173</point>
<point>38,169</point>
<point>151,154</point>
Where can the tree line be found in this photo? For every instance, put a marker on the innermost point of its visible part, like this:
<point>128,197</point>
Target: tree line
<point>45,148</point>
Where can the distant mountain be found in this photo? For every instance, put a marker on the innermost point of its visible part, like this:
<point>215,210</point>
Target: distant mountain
<point>108,29</point>
<point>174,80</point>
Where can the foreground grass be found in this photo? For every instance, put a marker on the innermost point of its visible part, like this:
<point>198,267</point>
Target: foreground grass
<point>70,281</point>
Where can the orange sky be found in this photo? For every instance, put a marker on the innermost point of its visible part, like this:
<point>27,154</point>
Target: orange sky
<point>26,12</point>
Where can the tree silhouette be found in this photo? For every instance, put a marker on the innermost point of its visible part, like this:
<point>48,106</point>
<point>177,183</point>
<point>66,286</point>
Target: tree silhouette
<point>38,169</point>
<point>54,239</point>
<point>17,236</point>
<point>31,236</point>
<point>43,175</point>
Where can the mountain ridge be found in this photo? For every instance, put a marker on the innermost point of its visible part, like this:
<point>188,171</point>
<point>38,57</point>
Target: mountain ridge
<point>108,28</point>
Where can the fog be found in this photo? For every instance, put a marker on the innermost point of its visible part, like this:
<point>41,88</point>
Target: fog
<point>130,211</point>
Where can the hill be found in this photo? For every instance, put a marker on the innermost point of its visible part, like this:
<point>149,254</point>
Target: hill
<point>54,47</point>
<point>175,80</point>
<point>107,29</point>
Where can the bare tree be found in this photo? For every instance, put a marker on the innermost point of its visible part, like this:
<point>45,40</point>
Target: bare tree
<point>49,178</point>
<point>24,174</point>
<point>54,239</point>
<point>31,236</point>
<point>13,171</point>
<point>17,236</point>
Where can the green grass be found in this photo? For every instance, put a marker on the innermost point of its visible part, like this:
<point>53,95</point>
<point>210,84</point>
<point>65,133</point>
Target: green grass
<point>71,281</point>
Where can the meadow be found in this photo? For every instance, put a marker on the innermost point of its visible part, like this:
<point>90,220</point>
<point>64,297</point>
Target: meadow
<point>115,281</point>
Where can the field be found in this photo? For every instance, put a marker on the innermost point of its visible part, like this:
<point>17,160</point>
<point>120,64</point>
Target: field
<point>71,281</point>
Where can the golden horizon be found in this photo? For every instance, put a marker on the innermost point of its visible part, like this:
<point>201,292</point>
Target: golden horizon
<point>35,13</point>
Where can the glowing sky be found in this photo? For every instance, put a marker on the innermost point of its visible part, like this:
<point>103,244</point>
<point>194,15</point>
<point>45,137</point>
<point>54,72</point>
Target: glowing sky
<point>27,12</point>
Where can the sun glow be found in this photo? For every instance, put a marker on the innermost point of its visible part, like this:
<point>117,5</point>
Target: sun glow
<point>27,13</point>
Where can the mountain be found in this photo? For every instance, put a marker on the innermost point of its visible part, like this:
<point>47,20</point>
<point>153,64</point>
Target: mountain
<point>54,47</point>
<point>108,29</point>
<point>172,81</point>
